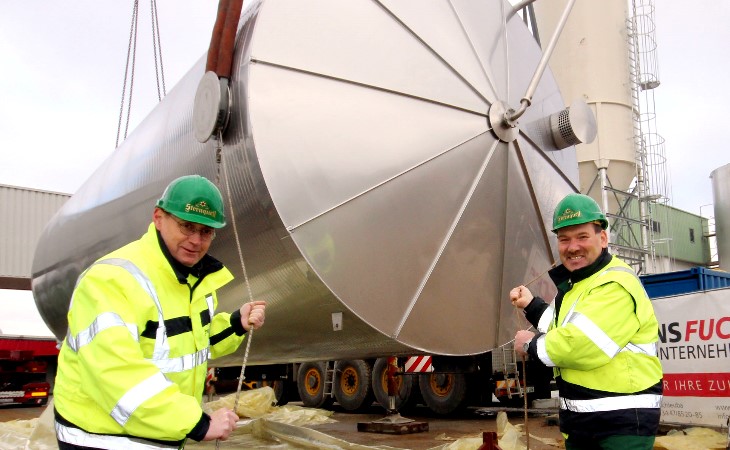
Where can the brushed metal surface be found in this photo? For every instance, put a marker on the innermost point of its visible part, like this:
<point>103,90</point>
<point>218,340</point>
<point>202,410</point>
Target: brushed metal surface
<point>364,180</point>
<point>721,205</point>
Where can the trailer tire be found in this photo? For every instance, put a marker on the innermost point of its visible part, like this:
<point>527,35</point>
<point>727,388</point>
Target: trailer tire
<point>407,396</point>
<point>311,383</point>
<point>444,393</point>
<point>353,384</point>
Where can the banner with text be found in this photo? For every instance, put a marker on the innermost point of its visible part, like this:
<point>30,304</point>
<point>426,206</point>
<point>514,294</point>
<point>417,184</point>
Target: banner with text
<point>694,348</point>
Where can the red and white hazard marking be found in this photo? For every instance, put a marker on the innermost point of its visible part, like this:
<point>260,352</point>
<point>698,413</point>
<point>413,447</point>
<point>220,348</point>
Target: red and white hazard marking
<point>419,364</point>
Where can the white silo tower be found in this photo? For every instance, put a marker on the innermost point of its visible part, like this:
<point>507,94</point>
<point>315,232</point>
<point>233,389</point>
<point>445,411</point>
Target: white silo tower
<point>590,62</point>
<point>606,57</point>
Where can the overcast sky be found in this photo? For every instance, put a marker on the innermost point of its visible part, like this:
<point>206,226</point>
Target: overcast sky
<point>63,67</point>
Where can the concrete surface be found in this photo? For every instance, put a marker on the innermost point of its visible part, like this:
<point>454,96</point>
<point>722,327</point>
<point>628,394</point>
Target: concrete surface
<point>441,431</point>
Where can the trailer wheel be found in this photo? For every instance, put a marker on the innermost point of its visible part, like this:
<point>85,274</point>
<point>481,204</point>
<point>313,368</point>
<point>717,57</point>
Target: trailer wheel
<point>407,394</point>
<point>310,384</point>
<point>444,393</point>
<point>353,384</point>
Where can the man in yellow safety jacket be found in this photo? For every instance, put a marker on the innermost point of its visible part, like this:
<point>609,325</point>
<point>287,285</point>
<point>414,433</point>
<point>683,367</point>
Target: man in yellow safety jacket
<point>141,327</point>
<point>600,336</point>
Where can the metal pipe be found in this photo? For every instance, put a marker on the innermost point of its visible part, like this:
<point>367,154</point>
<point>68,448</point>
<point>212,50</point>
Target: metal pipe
<point>518,7</point>
<point>215,39</point>
<point>222,41</point>
<point>604,191</point>
<point>228,39</point>
<point>533,20</point>
<point>527,98</point>
<point>646,232</point>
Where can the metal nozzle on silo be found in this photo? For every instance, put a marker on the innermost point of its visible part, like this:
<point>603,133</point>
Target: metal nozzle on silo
<point>573,125</point>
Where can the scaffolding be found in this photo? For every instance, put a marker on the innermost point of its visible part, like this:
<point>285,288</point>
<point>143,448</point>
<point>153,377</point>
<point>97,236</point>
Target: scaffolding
<point>640,229</point>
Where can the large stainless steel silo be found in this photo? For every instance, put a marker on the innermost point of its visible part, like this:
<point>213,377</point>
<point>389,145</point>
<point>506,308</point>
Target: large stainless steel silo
<point>378,212</point>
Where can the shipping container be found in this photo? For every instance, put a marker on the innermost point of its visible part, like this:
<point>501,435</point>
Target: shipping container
<point>695,279</point>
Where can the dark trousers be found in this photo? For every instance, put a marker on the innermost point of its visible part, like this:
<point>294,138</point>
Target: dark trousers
<point>612,443</point>
<point>65,446</point>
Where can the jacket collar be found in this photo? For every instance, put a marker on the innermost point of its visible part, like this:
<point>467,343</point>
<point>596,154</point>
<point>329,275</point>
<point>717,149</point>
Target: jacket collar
<point>205,266</point>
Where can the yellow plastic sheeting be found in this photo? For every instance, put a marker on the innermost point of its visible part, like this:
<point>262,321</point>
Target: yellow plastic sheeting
<point>33,434</point>
<point>696,438</point>
<point>267,433</point>
<point>254,403</point>
<point>510,437</point>
<point>15,433</point>
<point>263,426</point>
<point>274,427</point>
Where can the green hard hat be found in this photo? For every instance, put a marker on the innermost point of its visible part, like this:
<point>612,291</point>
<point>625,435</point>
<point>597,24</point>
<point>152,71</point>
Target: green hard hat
<point>576,209</point>
<point>195,199</point>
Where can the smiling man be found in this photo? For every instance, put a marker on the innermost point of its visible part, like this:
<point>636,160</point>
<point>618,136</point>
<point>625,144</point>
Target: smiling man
<point>141,327</point>
<point>599,335</point>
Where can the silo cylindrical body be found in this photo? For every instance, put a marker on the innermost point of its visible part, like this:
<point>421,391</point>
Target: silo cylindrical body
<point>721,201</point>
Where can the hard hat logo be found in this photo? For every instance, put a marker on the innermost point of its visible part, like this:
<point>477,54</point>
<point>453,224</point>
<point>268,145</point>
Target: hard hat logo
<point>195,199</point>
<point>201,208</point>
<point>567,214</point>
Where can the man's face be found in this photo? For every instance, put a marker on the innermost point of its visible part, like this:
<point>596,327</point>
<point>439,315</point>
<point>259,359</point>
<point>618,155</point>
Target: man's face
<point>580,245</point>
<point>187,249</point>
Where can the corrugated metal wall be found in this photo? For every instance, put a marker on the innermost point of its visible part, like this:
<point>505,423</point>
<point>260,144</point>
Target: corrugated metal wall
<point>24,213</point>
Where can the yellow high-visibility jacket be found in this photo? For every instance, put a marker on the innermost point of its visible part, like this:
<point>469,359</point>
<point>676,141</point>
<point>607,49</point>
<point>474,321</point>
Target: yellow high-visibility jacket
<point>602,345</point>
<point>134,361</point>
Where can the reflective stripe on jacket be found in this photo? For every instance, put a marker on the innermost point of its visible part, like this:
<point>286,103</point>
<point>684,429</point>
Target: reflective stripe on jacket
<point>603,347</point>
<point>135,357</point>
<point>606,326</point>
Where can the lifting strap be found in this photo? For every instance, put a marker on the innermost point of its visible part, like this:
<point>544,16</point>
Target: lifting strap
<point>130,65</point>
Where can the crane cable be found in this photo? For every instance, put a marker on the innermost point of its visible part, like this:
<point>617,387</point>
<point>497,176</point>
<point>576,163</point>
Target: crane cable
<point>157,49</point>
<point>220,163</point>
<point>131,63</point>
<point>520,318</point>
<point>249,338</point>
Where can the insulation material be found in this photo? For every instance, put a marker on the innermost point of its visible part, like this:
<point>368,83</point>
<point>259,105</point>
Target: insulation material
<point>277,427</point>
<point>33,434</point>
<point>691,439</point>
<point>252,403</point>
<point>15,434</point>
<point>511,437</point>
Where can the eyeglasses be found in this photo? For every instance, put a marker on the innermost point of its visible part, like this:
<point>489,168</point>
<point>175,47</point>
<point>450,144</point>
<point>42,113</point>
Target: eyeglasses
<point>189,229</point>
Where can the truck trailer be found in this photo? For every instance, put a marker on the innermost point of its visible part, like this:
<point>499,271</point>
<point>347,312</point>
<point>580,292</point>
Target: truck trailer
<point>27,369</point>
<point>444,384</point>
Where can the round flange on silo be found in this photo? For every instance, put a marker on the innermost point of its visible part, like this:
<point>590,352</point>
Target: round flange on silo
<point>377,209</point>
